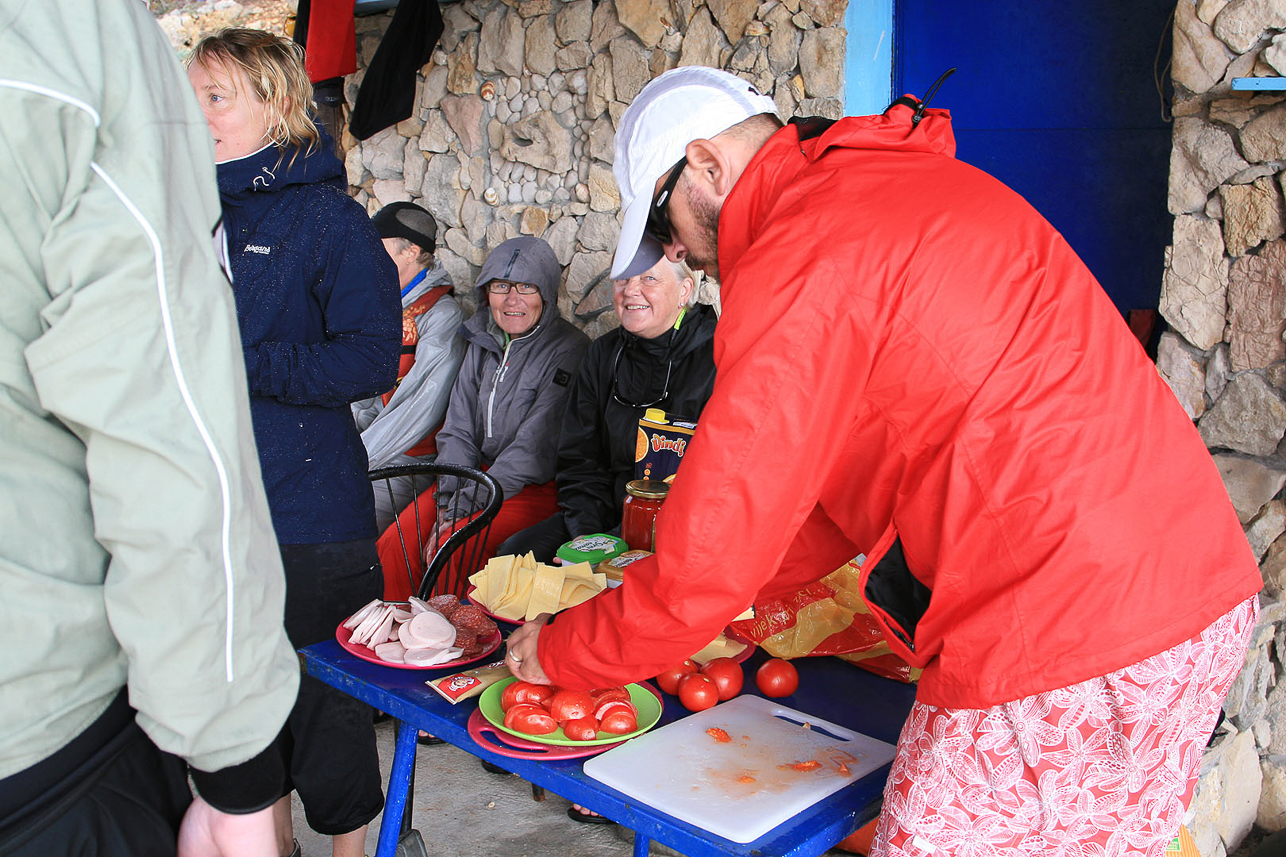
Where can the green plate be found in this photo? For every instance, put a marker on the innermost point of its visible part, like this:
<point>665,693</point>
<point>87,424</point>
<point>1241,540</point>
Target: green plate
<point>649,708</point>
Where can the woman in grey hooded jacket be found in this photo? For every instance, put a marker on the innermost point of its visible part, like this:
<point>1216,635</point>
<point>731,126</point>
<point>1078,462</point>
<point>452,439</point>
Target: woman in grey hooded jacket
<point>506,406</point>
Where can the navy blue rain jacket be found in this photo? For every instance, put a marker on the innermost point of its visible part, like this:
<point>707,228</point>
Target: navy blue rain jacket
<point>317,302</point>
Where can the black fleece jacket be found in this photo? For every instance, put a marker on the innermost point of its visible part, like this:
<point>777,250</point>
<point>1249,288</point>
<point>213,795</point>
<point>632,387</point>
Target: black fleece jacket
<point>597,443</point>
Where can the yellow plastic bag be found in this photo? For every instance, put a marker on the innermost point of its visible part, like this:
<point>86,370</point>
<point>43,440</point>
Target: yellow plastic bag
<point>828,617</point>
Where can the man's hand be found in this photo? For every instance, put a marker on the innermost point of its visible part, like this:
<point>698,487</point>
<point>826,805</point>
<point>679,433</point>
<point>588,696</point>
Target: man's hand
<point>521,656</point>
<point>207,832</point>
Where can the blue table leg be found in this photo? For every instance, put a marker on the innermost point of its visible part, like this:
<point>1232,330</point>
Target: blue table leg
<point>642,845</point>
<point>398,782</point>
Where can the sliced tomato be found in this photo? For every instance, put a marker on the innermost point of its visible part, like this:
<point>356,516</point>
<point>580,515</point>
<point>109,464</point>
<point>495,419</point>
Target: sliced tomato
<point>520,710</point>
<point>570,705</point>
<point>619,723</point>
<point>608,706</point>
<point>581,729</point>
<point>533,720</point>
<point>524,691</point>
<point>603,694</point>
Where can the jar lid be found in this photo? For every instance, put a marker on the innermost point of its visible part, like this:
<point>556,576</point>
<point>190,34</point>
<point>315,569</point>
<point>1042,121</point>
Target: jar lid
<point>648,489</point>
<point>592,549</point>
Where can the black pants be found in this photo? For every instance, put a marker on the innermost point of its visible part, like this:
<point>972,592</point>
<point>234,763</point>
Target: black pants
<point>109,793</point>
<point>328,743</point>
<point>543,539</point>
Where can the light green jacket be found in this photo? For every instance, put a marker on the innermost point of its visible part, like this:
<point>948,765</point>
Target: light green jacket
<point>135,541</point>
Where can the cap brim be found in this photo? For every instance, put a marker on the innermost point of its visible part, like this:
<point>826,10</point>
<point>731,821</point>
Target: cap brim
<point>635,251</point>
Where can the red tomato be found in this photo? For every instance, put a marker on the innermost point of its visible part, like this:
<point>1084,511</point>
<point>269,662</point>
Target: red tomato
<point>669,679</point>
<point>726,675</point>
<point>777,678</point>
<point>524,691</point>
<point>581,729</point>
<point>607,706</point>
<point>698,692</point>
<point>619,723</point>
<point>515,715</point>
<point>603,694</point>
<point>570,705</point>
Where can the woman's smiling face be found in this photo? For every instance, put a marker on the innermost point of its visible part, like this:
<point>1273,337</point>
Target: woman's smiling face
<point>514,313</point>
<point>649,304</point>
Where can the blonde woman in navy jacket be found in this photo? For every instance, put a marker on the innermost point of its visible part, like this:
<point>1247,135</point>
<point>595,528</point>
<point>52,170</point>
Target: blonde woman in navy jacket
<point>317,303</point>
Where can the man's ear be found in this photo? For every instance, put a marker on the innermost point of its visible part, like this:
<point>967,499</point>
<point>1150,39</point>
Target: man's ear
<point>710,167</point>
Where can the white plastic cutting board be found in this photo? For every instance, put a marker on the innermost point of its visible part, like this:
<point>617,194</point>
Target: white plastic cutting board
<point>745,787</point>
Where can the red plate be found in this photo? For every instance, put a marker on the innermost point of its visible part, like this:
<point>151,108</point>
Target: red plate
<point>745,653</point>
<point>490,644</point>
<point>469,595</point>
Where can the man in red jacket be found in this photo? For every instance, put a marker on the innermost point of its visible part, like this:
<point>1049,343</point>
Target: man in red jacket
<point>930,376</point>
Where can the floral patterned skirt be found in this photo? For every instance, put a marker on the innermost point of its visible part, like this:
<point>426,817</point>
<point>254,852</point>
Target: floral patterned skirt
<point>1102,768</point>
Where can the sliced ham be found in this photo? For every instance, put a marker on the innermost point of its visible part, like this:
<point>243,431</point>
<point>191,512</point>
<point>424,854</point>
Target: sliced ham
<point>418,606</point>
<point>357,618</point>
<point>363,633</point>
<point>393,652</point>
<point>384,631</point>
<point>429,630</point>
<point>427,657</point>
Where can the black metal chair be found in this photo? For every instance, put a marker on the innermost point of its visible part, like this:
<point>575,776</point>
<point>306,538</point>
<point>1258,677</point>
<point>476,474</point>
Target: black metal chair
<point>464,551</point>
<point>459,556</point>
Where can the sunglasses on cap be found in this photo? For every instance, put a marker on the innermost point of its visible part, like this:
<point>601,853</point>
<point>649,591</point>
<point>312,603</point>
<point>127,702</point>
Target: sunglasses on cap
<point>658,216</point>
<point>502,287</point>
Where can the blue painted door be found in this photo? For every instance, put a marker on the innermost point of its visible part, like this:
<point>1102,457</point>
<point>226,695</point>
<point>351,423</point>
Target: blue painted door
<point>1060,102</point>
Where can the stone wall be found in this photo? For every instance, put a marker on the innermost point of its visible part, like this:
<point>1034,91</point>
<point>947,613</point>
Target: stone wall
<point>516,112</point>
<point>1224,296</point>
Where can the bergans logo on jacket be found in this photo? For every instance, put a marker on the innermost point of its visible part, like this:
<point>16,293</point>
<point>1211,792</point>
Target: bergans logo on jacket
<point>258,248</point>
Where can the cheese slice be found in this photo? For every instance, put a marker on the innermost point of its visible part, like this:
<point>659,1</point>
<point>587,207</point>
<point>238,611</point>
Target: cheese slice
<point>720,647</point>
<point>518,590</point>
<point>578,591</point>
<point>546,591</point>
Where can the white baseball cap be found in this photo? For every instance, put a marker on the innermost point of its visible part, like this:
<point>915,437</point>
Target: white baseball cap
<point>682,105</point>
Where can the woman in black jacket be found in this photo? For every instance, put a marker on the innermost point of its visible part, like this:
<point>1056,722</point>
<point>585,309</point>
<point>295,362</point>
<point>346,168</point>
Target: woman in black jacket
<point>662,356</point>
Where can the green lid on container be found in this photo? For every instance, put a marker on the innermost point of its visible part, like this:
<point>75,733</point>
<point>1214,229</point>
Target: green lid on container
<point>592,549</point>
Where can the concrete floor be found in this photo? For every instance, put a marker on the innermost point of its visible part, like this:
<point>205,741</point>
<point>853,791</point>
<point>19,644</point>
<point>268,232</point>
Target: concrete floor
<point>463,811</point>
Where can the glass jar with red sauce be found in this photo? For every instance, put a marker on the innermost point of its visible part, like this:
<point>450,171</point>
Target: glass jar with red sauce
<point>643,499</point>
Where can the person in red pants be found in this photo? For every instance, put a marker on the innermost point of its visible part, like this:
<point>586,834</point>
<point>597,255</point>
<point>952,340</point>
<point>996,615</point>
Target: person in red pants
<point>504,413</point>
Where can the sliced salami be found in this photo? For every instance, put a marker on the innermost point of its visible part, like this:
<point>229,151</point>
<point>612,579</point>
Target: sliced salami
<point>445,604</point>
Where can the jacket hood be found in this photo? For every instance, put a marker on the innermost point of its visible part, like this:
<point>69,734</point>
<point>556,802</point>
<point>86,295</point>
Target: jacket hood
<point>890,131</point>
<point>271,169</point>
<point>523,260</point>
<point>804,142</point>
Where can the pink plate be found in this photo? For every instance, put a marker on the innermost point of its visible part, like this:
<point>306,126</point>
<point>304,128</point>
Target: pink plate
<point>469,595</point>
<point>489,645</point>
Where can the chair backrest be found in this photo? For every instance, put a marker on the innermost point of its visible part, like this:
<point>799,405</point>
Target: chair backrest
<point>473,496</point>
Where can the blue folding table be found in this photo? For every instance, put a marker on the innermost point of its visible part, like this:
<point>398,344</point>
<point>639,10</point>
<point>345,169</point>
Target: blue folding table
<point>829,689</point>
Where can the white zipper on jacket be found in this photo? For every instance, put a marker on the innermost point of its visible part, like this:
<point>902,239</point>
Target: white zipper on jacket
<point>495,382</point>
<point>501,371</point>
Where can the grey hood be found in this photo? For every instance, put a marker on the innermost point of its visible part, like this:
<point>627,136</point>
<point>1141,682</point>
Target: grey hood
<point>523,260</point>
